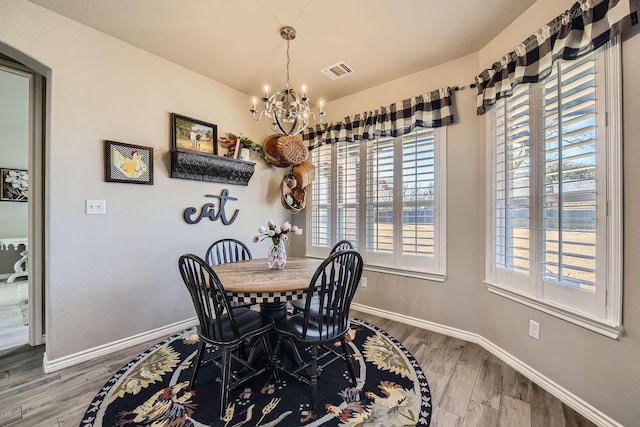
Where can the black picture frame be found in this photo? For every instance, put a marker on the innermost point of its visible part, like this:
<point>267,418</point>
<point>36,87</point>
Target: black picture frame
<point>128,163</point>
<point>193,135</point>
<point>14,185</point>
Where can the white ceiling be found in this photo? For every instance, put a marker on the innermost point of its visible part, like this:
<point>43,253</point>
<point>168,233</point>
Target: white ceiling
<point>238,42</point>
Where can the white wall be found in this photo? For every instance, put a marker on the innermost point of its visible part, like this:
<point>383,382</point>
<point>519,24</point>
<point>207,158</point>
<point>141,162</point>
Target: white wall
<point>111,277</point>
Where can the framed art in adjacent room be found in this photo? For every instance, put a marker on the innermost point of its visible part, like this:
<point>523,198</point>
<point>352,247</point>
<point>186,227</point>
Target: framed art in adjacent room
<point>193,135</point>
<point>128,163</point>
<point>14,184</point>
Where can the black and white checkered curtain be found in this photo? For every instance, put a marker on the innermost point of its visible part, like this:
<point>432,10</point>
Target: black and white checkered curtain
<point>431,110</point>
<point>585,27</point>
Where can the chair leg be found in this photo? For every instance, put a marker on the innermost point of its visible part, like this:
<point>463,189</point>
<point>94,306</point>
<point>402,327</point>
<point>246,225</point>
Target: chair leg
<point>270,358</point>
<point>224,384</point>
<point>314,377</point>
<point>277,351</point>
<point>199,356</point>
<point>348,358</point>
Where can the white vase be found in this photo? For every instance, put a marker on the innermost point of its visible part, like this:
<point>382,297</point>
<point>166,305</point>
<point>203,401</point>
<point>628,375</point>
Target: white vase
<point>244,154</point>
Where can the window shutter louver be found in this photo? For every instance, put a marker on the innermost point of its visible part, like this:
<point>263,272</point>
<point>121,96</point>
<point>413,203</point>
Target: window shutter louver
<point>569,181</point>
<point>348,182</point>
<point>512,180</point>
<point>380,195</point>
<point>418,193</point>
<point>321,198</point>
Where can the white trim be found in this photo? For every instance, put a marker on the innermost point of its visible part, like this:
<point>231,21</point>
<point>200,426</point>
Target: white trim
<point>615,219</point>
<point>434,276</point>
<point>579,405</point>
<point>442,153</point>
<point>92,353</point>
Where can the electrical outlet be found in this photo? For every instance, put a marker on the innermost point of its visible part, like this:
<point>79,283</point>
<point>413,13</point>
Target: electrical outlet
<point>363,282</point>
<point>534,329</point>
<point>95,207</point>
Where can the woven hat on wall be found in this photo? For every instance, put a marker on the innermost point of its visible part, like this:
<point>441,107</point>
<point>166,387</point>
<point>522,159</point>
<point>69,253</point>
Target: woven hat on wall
<point>283,151</point>
<point>304,173</point>
<point>292,196</point>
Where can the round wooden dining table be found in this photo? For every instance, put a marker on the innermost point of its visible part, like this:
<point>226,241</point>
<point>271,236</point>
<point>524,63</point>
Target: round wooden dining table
<point>251,281</point>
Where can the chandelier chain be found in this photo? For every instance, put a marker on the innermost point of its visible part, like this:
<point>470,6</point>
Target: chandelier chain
<point>288,61</point>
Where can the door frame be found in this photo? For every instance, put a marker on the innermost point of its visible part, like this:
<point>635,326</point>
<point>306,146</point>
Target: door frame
<point>36,200</point>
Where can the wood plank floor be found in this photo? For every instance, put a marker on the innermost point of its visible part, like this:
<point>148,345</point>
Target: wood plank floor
<point>469,386</point>
<point>14,306</point>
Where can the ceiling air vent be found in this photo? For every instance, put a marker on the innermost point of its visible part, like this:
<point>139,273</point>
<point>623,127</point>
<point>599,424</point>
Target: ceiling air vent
<point>338,71</point>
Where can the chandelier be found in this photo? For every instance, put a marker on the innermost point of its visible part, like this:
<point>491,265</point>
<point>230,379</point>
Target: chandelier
<point>285,110</point>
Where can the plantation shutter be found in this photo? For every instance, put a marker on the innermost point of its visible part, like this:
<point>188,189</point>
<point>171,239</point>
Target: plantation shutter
<point>512,180</point>
<point>418,193</point>
<point>321,198</point>
<point>569,187</point>
<point>564,258</point>
<point>380,195</point>
<point>348,181</point>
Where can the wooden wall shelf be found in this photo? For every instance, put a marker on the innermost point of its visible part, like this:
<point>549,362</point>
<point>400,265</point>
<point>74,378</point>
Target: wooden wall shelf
<point>198,167</point>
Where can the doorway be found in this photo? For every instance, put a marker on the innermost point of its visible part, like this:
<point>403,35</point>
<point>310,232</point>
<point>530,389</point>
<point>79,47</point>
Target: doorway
<point>21,207</point>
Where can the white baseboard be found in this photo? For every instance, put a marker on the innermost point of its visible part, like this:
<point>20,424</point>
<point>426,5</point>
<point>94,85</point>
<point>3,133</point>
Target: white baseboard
<point>564,395</point>
<point>92,353</point>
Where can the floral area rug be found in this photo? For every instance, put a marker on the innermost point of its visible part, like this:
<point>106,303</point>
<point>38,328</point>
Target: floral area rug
<point>152,390</point>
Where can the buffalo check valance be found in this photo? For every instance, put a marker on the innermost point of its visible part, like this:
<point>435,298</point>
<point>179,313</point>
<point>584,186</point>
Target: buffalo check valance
<point>584,28</point>
<point>431,110</point>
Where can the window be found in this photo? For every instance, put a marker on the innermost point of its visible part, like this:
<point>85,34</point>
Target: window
<point>556,193</point>
<point>387,197</point>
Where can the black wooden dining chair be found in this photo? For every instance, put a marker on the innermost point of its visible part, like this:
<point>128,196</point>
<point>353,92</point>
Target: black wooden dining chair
<point>298,304</point>
<point>221,326</point>
<point>334,284</point>
<point>228,250</point>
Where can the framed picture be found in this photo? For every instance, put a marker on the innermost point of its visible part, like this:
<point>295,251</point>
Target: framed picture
<point>193,135</point>
<point>14,184</point>
<point>128,163</point>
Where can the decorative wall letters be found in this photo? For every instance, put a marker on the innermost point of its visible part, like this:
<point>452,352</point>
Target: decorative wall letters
<point>209,210</point>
